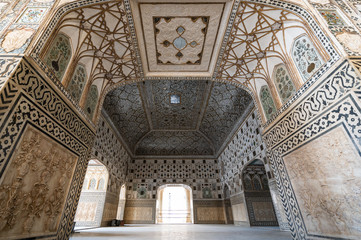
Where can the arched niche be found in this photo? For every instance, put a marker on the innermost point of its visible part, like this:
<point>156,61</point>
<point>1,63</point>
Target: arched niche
<point>257,195</point>
<point>92,198</point>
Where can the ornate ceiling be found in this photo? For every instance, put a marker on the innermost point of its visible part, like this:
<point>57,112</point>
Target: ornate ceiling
<point>163,45</point>
<point>198,125</point>
<point>180,38</point>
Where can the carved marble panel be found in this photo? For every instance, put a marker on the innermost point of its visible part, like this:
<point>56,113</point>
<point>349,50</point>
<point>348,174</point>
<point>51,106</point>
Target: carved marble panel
<point>179,38</point>
<point>35,186</point>
<point>210,215</point>
<point>239,212</point>
<point>328,198</point>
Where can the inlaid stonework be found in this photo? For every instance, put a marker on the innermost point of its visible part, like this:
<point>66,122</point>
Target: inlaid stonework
<point>180,40</point>
<point>33,191</point>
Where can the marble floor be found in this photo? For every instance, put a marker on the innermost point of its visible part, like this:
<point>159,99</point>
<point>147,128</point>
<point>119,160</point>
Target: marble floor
<point>181,232</point>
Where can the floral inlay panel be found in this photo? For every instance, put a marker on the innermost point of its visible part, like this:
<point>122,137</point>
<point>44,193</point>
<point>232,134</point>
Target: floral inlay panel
<point>268,104</point>
<point>332,17</point>
<point>58,56</point>
<point>34,189</point>
<point>306,57</point>
<point>91,101</point>
<point>77,82</point>
<point>283,82</point>
<point>32,15</point>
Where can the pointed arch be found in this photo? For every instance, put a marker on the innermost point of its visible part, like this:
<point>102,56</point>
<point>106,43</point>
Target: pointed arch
<point>77,82</point>
<point>58,56</point>
<point>91,101</point>
<point>306,57</point>
<point>283,81</point>
<point>268,105</point>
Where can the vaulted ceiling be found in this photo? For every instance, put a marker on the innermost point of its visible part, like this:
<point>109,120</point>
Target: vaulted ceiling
<point>177,40</point>
<point>150,124</point>
<point>158,48</point>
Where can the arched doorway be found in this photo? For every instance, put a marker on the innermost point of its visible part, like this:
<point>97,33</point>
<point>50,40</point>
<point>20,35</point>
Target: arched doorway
<point>121,204</point>
<point>174,204</point>
<point>227,205</point>
<point>258,196</point>
<point>92,198</point>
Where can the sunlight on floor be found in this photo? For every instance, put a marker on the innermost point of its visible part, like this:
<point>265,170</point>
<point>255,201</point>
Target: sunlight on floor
<point>182,232</point>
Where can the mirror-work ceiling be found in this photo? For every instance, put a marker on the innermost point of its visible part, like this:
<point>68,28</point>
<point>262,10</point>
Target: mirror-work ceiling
<point>176,117</point>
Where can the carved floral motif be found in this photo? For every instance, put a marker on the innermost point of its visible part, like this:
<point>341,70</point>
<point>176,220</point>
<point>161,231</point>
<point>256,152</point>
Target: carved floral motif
<point>36,183</point>
<point>16,38</point>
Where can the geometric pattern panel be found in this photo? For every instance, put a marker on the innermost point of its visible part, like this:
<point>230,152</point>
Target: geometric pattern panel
<point>180,40</point>
<point>261,211</point>
<point>246,146</point>
<point>226,107</point>
<point>174,143</point>
<point>283,82</point>
<point>306,57</point>
<point>125,108</point>
<point>109,150</point>
<point>145,176</point>
<point>144,115</point>
<point>182,116</point>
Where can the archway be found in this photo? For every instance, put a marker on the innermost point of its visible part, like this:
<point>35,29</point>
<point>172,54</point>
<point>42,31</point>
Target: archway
<point>227,205</point>
<point>174,204</point>
<point>121,204</point>
<point>92,198</point>
<point>257,195</point>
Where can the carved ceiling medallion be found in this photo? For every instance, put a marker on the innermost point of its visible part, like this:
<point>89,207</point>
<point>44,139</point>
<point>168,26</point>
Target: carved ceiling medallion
<point>179,45</point>
<point>179,38</point>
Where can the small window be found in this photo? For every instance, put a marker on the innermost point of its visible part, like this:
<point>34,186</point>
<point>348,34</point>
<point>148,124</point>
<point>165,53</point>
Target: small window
<point>174,99</point>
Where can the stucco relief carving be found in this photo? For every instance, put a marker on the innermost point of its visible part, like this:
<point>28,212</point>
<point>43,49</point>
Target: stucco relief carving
<point>16,38</point>
<point>35,185</point>
<point>350,40</point>
<point>86,212</point>
<point>328,198</point>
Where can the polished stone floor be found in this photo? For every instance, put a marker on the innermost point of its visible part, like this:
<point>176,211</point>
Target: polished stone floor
<point>182,232</point>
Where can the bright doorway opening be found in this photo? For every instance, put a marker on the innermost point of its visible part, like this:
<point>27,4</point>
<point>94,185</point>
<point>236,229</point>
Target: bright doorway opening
<point>174,204</point>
